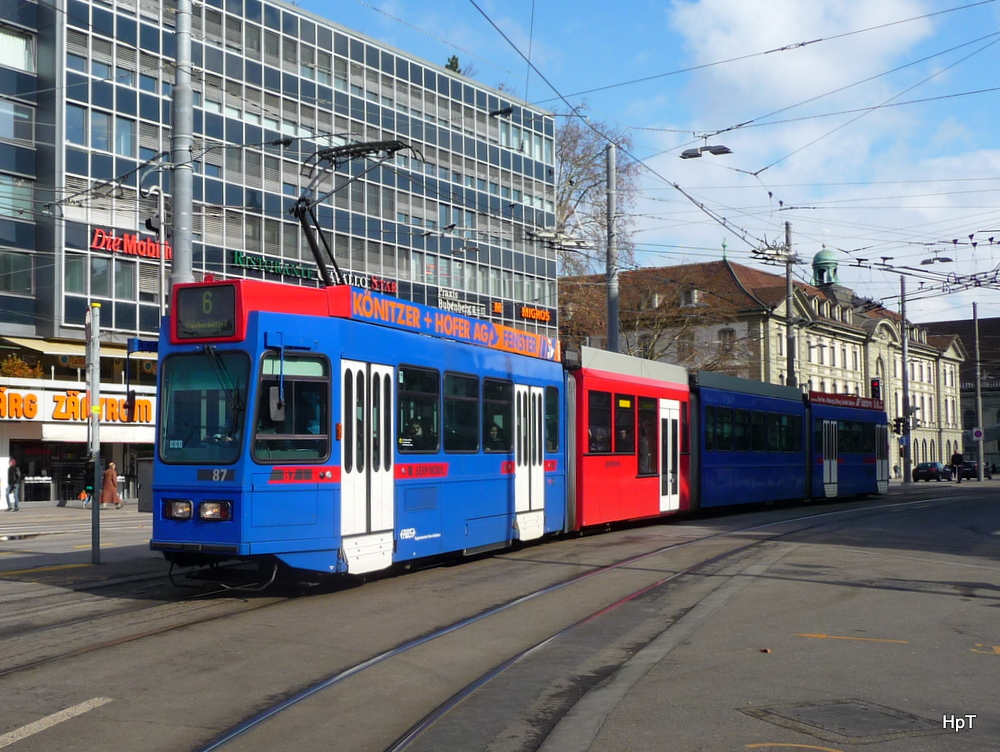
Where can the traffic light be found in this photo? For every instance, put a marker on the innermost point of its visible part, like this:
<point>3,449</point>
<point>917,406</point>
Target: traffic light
<point>876,388</point>
<point>897,425</point>
<point>153,224</point>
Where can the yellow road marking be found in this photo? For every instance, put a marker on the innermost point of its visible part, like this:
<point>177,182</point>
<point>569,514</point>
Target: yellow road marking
<point>794,746</point>
<point>993,649</point>
<point>91,545</point>
<point>859,639</point>
<point>43,569</point>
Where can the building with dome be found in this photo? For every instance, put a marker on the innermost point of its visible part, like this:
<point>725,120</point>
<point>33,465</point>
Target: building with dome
<point>733,318</point>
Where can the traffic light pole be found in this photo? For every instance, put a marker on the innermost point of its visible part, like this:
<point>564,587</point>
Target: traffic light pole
<point>905,331</point>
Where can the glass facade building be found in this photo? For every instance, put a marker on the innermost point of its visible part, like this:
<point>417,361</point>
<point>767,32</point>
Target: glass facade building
<point>453,214</point>
<point>85,113</point>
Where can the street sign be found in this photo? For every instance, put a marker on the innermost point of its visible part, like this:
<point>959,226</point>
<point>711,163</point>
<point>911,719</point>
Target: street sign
<point>977,434</point>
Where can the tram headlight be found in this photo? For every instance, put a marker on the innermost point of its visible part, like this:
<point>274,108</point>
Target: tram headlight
<point>177,509</point>
<point>215,511</point>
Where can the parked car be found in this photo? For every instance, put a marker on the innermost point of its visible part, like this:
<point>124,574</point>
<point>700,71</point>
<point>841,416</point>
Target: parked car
<point>931,471</point>
<point>971,470</point>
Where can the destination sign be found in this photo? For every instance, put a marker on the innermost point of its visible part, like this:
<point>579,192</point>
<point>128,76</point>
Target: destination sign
<point>368,306</point>
<point>846,400</point>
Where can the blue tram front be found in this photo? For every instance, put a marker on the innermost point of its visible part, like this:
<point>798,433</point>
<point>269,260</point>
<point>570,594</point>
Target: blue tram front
<point>337,430</point>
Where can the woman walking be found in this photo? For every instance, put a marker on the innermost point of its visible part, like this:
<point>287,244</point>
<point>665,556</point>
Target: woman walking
<point>109,488</point>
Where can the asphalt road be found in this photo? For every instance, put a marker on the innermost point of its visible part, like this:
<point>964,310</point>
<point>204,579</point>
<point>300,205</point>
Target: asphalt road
<point>823,628</point>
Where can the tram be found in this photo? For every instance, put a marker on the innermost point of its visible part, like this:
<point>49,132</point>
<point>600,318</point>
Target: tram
<point>341,430</point>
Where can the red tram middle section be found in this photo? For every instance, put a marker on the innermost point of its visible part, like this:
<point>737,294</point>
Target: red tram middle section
<point>629,434</point>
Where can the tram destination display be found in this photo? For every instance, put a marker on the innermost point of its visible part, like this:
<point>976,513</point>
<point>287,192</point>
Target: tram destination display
<point>205,312</point>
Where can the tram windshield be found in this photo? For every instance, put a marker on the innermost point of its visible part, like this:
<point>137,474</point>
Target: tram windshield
<point>203,399</point>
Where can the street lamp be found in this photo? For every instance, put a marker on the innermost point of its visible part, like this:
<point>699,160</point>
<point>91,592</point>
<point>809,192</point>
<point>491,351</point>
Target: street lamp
<point>157,224</point>
<point>716,149</point>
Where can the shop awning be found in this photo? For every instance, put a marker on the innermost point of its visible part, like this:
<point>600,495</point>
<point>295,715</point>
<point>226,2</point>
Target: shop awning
<point>51,347</point>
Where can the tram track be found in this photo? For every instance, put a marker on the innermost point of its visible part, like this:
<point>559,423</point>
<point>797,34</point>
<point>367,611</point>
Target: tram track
<point>742,557</point>
<point>27,644</point>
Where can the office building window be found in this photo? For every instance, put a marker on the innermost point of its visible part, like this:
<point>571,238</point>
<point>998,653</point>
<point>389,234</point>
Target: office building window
<point>124,280</point>
<point>76,274</point>
<point>16,50</point>
<point>15,272</point>
<point>100,130</point>
<point>100,277</point>
<point>124,137</point>
<point>16,121</point>
<point>76,125</point>
<point>15,196</point>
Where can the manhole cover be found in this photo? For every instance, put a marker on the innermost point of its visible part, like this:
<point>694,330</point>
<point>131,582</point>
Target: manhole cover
<point>850,721</point>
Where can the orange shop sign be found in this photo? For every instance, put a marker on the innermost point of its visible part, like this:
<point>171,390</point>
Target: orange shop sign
<point>70,406</point>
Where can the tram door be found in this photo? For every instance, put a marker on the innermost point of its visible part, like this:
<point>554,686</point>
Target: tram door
<point>529,462</point>
<point>366,478</point>
<point>882,458</point>
<point>831,457</point>
<point>670,456</point>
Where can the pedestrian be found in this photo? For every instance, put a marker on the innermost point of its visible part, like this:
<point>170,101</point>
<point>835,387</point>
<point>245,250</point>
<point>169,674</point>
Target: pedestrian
<point>88,484</point>
<point>957,460</point>
<point>13,486</point>
<point>895,471</point>
<point>109,488</point>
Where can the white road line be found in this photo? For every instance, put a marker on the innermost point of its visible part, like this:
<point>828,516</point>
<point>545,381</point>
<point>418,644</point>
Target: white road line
<point>51,720</point>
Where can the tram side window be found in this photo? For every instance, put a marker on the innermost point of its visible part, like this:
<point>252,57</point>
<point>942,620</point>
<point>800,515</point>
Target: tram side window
<point>419,418</point>
<point>498,415</point>
<point>648,443</point>
<point>793,433</point>
<point>300,429</point>
<point>624,424</point>
<point>758,431</point>
<point>741,430</point>
<point>552,402</point>
<point>773,432</point>
<point>461,413</point>
<point>709,429</point>
<point>850,437</point>
<point>724,429</point>
<point>599,423</point>
<point>784,432</point>
<point>867,438</point>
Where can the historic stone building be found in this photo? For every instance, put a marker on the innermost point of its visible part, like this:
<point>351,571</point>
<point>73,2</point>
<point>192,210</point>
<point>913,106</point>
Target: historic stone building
<point>729,317</point>
<point>989,383</point>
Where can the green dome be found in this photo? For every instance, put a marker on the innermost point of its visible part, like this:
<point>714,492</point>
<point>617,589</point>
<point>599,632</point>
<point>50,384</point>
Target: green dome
<point>825,268</point>
<point>825,258</point>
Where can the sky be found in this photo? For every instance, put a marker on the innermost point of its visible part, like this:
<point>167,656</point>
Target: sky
<point>870,126</point>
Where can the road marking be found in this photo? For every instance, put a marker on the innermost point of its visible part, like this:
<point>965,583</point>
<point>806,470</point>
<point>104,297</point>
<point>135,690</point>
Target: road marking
<point>55,568</point>
<point>51,720</point>
<point>993,649</point>
<point>91,545</point>
<point>859,639</point>
<point>794,746</point>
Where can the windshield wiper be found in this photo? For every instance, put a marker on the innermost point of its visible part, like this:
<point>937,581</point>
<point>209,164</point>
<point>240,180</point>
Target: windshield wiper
<point>234,399</point>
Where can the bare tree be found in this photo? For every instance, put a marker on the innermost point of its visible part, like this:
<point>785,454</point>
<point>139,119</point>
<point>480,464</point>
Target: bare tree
<point>581,191</point>
<point>661,317</point>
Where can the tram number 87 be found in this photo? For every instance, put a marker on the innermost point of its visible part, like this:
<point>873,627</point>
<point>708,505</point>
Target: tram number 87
<point>216,474</point>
